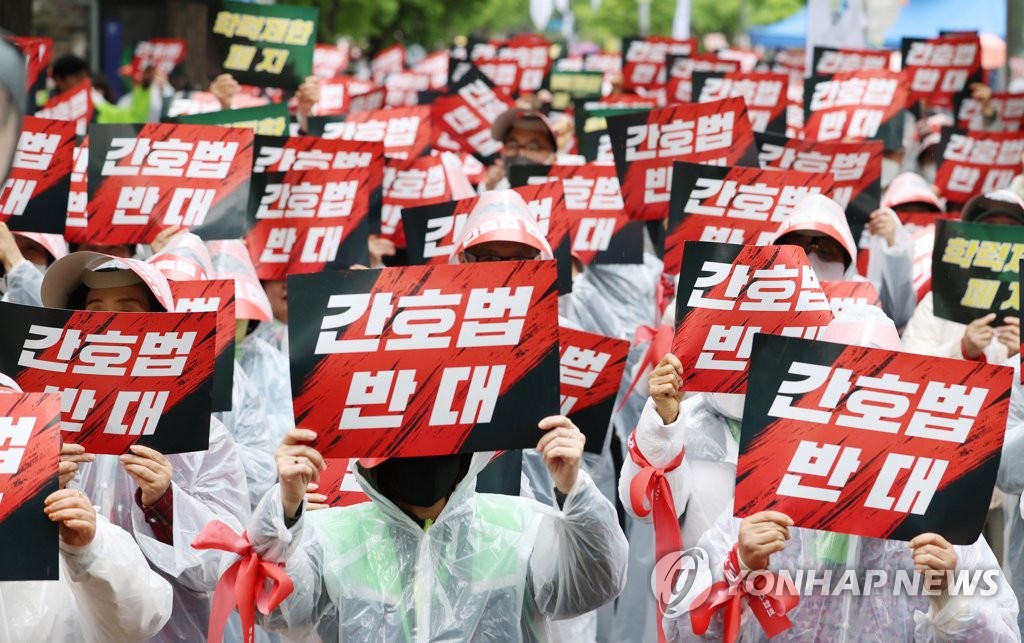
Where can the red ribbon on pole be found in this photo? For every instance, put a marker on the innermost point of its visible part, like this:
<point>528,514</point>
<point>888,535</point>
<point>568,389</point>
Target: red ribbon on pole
<point>650,493</point>
<point>769,607</point>
<point>242,585</point>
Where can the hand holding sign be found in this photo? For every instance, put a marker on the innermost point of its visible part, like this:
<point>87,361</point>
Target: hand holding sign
<point>1009,335</point>
<point>150,469</point>
<point>298,466</point>
<point>665,384</point>
<point>761,535</point>
<point>76,515</point>
<point>70,456</point>
<point>562,450</point>
<point>934,556</point>
<point>977,336</point>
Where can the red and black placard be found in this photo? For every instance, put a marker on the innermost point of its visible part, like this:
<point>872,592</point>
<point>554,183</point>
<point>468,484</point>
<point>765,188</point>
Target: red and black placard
<point>144,179</point>
<point>403,89</point>
<point>330,61</point>
<point>591,119</point>
<point>941,69</point>
<point>431,231</point>
<point>973,163</point>
<point>679,88</point>
<point>463,118</point>
<point>162,53</point>
<point>738,205</point>
<point>425,360</point>
<point>728,293</point>
<point>644,62</point>
<point>38,52</point>
<point>646,144</point>
<point>764,93</point>
<point>856,170</point>
<point>423,182</point>
<point>388,61</point>
<point>35,196</point>
<point>870,442</point>
<point>338,483</point>
<point>856,105</point>
<point>506,74</point>
<point>842,294</point>
<point>601,233</point>
<point>30,427</point>
<point>405,132</point>
<point>73,105</point>
<point>124,378</point>
<point>532,53</point>
<point>314,202</point>
<point>835,60</point>
<point>1008,108</point>
<point>590,371</point>
<point>76,224</point>
<point>218,296</point>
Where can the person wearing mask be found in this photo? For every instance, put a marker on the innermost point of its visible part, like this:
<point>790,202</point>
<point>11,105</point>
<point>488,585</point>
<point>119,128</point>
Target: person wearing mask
<point>430,558</point>
<point>164,501</point>
<point>527,137</point>
<point>980,340</point>
<point>768,541</point>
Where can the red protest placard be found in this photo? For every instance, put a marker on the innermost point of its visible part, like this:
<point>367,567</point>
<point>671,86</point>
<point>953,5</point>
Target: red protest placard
<point>73,105</point>
<point>402,89</point>
<point>973,163</point>
<point>338,483</point>
<point>1009,109</point>
<point>388,61</point>
<point>405,132</point>
<point>856,105</point>
<point>34,196</point>
<point>329,61</point>
<point>856,170</point>
<point>644,62</point>
<point>30,426</point>
<point>871,442</point>
<point>76,224</point>
<point>590,371</point>
<point>425,360</point>
<point>764,93</point>
<point>124,378</point>
<point>463,118</point>
<point>314,201</point>
<point>830,60</point>
<point>505,74</point>
<point>38,53</point>
<point>162,53</point>
<point>842,294</point>
<point>217,296</point>
<point>144,180</point>
<point>680,74</point>
<point>429,179</point>
<point>727,294</point>
<point>646,144</point>
<point>737,205</point>
<point>435,66</point>
<point>601,230</point>
<point>532,53</point>
<point>939,69</point>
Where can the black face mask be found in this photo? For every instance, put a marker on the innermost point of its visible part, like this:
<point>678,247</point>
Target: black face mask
<point>419,482</point>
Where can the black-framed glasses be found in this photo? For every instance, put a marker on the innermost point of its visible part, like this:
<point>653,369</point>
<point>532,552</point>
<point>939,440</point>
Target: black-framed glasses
<point>473,258</point>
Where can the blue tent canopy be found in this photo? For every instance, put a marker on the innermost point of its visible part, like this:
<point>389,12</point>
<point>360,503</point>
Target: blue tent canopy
<point>918,19</point>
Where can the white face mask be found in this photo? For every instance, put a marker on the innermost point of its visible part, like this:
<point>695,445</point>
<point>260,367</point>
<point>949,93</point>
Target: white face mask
<point>890,170</point>
<point>928,172</point>
<point>826,270</point>
<point>728,404</point>
<point>41,267</point>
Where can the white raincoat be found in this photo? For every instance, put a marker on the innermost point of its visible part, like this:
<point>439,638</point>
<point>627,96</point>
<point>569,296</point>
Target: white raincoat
<point>268,371</point>
<point>206,485</point>
<point>253,435</point>
<point>106,592</point>
<point>23,283</point>
<point>878,615</point>
<point>491,568</point>
<point>927,334</point>
<point>1011,482</point>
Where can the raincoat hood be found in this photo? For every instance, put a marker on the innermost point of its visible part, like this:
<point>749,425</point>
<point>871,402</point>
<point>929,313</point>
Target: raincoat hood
<point>818,213</point>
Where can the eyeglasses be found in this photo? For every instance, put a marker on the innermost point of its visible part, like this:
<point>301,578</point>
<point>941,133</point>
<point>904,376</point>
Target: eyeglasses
<point>827,249</point>
<point>472,258</point>
<point>531,148</point>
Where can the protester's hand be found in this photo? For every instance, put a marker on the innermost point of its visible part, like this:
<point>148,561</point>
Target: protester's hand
<point>224,88</point>
<point>75,513</point>
<point>978,335</point>
<point>561,448</point>
<point>307,96</point>
<point>1009,335</point>
<point>163,237</point>
<point>10,255</point>
<point>70,456</point>
<point>315,500</point>
<point>882,223</point>
<point>380,248</point>
<point>298,465</point>
<point>934,556</point>
<point>494,174</point>
<point>150,469</point>
<point>762,535</point>
<point>665,384</point>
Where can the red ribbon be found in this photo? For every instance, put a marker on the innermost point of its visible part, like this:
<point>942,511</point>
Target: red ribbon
<point>650,492</point>
<point>770,608</point>
<point>659,336</point>
<point>243,584</point>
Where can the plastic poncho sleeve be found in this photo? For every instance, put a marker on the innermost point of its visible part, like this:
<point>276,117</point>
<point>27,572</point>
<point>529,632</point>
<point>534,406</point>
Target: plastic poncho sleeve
<point>660,443</point>
<point>974,618</point>
<point>137,110</point>
<point>891,269</point>
<point>578,562</point>
<point>1011,465</point>
<point>24,284</point>
<point>217,492</point>
<point>300,613</point>
<point>118,596</point>
<point>254,437</point>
